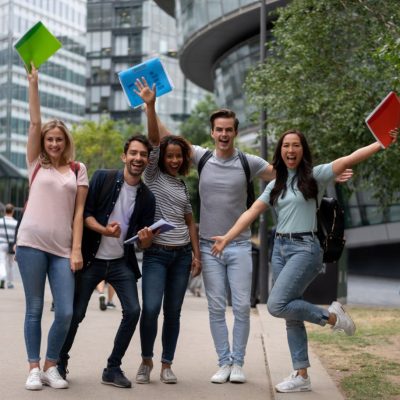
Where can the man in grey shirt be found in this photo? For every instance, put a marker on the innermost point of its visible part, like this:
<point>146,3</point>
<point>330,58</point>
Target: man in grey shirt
<point>223,195</point>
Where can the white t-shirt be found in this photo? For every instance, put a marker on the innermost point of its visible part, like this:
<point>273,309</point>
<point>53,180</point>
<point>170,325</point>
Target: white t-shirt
<point>110,247</point>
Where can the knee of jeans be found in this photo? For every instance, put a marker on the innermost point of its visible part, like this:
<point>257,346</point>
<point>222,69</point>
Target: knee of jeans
<point>132,313</point>
<point>242,311</point>
<point>275,308</point>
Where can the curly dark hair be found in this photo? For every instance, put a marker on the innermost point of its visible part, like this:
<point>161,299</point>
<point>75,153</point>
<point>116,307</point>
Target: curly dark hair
<point>305,180</point>
<point>186,153</point>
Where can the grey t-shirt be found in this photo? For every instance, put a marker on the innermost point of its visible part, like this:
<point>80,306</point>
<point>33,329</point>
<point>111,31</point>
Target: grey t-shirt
<point>223,191</point>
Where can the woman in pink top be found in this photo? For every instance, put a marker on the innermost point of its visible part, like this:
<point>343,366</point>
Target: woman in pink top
<point>49,237</point>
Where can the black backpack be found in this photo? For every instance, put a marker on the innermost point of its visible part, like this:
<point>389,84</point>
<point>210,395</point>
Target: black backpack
<point>330,216</point>
<point>245,164</point>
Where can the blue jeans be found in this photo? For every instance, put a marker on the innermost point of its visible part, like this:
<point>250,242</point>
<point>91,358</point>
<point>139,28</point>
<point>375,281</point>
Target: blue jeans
<point>123,280</point>
<point>34,265</point>
<point>234,267</point>
<point>295,264</point>
<point>165,274</point>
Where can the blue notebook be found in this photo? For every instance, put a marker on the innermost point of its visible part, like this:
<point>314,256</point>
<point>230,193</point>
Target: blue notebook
<point>153,71</point>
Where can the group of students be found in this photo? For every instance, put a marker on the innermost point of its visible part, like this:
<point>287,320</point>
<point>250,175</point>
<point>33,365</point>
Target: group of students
<point>74,233</point>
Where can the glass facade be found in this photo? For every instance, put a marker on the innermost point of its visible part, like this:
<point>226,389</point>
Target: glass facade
<point>123,34</point>
<point>62,78</point>
<point>193,15</point>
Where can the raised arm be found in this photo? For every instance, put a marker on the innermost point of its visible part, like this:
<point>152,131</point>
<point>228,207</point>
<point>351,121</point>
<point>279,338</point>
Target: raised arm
<point>240,225</point>
<point>35,126</point>
<point>340,164</point>
<point>149,97</point>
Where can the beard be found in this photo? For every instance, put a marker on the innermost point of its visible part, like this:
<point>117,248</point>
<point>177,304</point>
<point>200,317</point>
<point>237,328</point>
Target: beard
<point>135,170</point>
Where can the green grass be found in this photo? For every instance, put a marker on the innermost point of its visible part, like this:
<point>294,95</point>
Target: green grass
<point>364,362</point>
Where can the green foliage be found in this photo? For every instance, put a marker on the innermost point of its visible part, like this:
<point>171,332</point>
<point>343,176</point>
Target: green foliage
<point>196,129</point>
<point>330,64</point>
<point>100,144</point>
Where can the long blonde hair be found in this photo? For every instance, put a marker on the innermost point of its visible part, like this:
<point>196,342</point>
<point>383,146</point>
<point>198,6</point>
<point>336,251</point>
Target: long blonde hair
<point>68,154</point>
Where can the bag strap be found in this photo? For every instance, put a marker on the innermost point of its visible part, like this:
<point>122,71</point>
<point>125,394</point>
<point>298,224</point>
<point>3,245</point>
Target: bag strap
<point>5,229</point>
<point>204,158</point>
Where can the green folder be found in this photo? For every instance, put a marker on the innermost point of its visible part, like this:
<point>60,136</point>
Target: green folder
<point>37,45</point>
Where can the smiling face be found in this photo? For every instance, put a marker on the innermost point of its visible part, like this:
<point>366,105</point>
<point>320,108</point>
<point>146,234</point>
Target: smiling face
<point>292,150</point>
<point>54,143</point>
<point>173,159</point>
<point>135,159</point>
<point>224,134</point>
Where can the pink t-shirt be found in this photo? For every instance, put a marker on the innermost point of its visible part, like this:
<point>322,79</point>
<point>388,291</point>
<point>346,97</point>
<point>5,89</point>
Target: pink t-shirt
<point>47,221</point>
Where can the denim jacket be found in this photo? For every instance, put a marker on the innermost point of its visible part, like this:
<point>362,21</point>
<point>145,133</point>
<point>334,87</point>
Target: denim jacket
<point>101,208</point>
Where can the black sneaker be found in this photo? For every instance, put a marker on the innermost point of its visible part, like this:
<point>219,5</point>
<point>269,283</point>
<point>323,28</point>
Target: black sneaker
<point>62,368</point>
<point>102,302</point>
<point>115,377</point>
<point>2,284</point>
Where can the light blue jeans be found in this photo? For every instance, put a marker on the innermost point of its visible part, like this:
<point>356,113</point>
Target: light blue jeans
<point>234,267</point>
<point>295,264</point>
<point>34,266</point>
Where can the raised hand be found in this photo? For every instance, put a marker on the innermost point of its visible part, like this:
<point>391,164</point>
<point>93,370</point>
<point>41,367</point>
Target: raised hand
<point>143,90</point>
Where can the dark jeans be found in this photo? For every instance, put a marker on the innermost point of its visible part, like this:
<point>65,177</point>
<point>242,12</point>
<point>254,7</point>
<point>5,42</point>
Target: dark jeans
<point>165,274</point>
<point>123,280</point>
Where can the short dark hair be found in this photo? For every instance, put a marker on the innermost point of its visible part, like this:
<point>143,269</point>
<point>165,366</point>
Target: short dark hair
<point>186,152</point>
<point>9,208</point>
<point>139,138</point>
<point>223,113</point>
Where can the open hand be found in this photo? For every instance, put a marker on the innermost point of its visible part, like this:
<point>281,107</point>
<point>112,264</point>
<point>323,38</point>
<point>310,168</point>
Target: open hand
<point>344,176</point>
<point>143,90</point>
<point>219,245</point>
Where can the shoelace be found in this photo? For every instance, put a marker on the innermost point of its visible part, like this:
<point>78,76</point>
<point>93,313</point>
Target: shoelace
<point>34,375</point>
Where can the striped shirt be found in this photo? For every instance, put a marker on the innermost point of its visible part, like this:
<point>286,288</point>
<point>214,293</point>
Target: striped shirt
<point>172,202</point>
<point>10,224</point>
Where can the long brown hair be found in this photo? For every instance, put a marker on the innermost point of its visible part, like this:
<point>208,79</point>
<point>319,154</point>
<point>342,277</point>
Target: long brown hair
<point>305,180</point>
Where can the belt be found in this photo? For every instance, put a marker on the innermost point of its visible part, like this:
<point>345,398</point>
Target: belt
<point>170,248</point>
<point>296,235</point>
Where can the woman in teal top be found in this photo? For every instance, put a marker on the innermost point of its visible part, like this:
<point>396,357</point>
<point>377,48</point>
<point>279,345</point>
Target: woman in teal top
<point>297,254</point>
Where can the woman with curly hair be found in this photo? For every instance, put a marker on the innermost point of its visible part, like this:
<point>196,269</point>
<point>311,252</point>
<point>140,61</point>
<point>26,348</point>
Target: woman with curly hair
<point>49,237</point>
<point>173,254</point>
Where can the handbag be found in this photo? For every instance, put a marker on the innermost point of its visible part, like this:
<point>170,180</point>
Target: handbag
<point>10,244</point>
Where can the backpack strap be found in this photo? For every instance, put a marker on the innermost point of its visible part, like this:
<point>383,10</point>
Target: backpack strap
<point>250,186</point>
<point>75,167</point>
<point>204,158</point>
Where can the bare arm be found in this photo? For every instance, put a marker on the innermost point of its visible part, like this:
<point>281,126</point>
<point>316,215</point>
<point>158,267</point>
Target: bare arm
<point>149,97</point>
<point>76,260</point>
<point>35,126</point>
<point>194,239</point>
<point>240,225</point>
<point>112,229</point>
<point>268,174</point>
<point>340,164</point>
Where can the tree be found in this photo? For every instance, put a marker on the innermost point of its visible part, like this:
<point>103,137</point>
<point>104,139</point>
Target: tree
<point>196,129</point>
<point>330,64</point>
<point>100,144</point>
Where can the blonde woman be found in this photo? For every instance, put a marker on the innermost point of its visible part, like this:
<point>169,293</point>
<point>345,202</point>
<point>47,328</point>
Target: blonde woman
<point>49,237</point>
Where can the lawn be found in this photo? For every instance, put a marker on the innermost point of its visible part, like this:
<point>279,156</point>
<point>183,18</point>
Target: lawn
<point>365,366</point>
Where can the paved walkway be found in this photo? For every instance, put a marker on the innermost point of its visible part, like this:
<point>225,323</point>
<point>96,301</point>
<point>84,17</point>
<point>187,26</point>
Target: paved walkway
<point>195,359</point>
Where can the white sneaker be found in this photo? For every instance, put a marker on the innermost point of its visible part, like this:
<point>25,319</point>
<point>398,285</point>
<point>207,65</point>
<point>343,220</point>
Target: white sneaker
<point>344,322</point>
<point>52,378</point>
<point>294,383</point>
<point>222,375</point>
<point>34,382</point>
<point>237,375</point>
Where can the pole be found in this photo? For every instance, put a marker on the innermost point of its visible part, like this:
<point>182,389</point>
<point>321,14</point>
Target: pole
<point>263,261</point>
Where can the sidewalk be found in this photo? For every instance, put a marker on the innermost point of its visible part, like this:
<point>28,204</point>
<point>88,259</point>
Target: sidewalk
<point>195,359</point>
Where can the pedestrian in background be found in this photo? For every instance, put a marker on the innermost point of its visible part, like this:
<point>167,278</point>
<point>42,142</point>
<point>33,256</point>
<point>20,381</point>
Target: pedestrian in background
<point>297,254</point>
<point>49,236</point>
<point>173,254</point>
<point>7,240</point>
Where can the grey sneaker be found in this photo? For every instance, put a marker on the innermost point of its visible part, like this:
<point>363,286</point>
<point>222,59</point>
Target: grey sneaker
<point>34,382</point>
<point>237,375</point>
<point>143,374</point>
<point>294,383</point>
<point>167,376</point>
<point>52,378</point>
<point>344,322</point>
<point>222,375</point>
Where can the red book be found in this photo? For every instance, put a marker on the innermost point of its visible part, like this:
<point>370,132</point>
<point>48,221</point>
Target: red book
<point>385,118</point>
